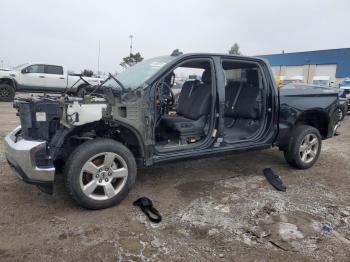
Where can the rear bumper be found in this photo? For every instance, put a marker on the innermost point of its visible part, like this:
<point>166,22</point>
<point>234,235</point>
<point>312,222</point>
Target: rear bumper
<point>21,157</point>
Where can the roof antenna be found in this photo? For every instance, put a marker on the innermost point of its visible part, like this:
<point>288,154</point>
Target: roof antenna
<point>176,52</point>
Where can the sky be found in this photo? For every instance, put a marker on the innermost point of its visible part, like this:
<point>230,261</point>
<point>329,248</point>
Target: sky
<point>68,32</point>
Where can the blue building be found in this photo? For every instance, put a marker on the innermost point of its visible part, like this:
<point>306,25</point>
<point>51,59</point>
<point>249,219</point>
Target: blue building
<point>334,63</point>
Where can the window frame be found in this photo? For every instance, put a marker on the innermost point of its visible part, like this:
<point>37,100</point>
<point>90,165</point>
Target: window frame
<point>27,69</point>
<point>47,70</point>
<point>213,109</point>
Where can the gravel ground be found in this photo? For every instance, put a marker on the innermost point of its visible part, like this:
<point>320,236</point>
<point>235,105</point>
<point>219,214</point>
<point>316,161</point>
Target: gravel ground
<point>213,209</point>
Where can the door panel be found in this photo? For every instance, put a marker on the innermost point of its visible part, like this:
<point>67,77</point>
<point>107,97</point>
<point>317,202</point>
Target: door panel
<point>55,78</point>
<point>33,78</point>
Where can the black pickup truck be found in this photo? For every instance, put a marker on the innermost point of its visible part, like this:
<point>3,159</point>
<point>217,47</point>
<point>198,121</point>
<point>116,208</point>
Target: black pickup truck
<point>226,104</point>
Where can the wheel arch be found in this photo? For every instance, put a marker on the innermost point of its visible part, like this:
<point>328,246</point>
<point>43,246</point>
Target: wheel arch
<point>313,117</point>
<point>9,81</point>
<point>116,130</point>
<point>316,118</point>
<point>82,85</point>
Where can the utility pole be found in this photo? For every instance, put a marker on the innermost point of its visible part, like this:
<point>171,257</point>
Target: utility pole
<point>98,59</point>
<point>2,63</point>
<point>131,37</point>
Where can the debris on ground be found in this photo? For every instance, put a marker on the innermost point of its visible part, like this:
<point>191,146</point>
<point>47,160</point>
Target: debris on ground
<point>146,205</point>
<point>274,179</point>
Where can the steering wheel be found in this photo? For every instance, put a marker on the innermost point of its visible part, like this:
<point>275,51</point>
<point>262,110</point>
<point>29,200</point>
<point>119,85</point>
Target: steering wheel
<point>168,96</point>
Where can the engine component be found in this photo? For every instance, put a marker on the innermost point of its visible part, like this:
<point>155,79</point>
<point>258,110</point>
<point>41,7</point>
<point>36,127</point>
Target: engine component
<point>40,117</point>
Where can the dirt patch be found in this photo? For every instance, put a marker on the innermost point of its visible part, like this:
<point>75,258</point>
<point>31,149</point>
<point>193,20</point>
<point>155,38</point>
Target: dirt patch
<point>215,208</point>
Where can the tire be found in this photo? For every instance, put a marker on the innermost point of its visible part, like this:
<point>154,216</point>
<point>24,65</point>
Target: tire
<point>304,147</point>
<point>342,113</point>
<point>109,173</point>
<point>7,93</point>
<point>81,92</point>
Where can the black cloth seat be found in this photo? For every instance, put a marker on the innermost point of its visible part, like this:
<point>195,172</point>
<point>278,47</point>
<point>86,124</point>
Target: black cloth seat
<point>246,106</point>
<point>193,107</point>
<point>184,125</point>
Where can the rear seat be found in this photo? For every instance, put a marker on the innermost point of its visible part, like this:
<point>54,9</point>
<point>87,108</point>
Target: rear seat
<point>246,105</point>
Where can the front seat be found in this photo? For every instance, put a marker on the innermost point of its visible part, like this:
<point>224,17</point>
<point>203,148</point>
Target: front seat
<point>193,108</point>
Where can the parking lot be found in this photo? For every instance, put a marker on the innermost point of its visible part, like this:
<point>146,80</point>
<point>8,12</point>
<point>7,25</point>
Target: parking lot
<point>215,208</point>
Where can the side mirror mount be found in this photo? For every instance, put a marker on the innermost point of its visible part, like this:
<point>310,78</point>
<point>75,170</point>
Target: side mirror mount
<point>24,70</point>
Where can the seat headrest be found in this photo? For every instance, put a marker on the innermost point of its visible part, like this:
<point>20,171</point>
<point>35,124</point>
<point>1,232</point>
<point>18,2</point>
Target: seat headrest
<point>253,77</point>
<point>206,76</point>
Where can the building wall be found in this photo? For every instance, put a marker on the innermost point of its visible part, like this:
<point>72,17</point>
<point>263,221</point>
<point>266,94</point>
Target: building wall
<point>326,70</point>
<point>333,62</point>
<point>307,71</point>
<point>294,71</point>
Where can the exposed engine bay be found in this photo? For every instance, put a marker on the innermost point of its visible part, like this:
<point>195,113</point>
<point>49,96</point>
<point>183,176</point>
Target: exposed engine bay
<point>41,116</point>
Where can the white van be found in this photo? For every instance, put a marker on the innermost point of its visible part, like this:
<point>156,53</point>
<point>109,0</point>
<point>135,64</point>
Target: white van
<point>322,81</point>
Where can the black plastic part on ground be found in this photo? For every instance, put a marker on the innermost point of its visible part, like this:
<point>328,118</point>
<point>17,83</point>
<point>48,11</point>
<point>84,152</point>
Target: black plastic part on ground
<point>274,179</point>
<point>146,206</point>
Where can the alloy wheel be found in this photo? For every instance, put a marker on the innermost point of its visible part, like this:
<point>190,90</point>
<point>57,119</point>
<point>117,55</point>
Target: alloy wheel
<point>340,114</point>
<point>103,176</point>
<point>4,93</point>
<point>309,148</point>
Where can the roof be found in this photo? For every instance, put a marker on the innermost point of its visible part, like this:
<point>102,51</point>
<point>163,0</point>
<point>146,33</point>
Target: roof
<point>341,57</point>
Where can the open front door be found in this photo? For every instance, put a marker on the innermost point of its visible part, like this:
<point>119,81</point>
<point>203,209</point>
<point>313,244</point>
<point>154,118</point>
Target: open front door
<point>185,105</point>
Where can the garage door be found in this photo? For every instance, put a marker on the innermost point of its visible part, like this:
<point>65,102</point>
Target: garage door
<point>294,71</point>
<point>326,70</point>
<point>276,70</point>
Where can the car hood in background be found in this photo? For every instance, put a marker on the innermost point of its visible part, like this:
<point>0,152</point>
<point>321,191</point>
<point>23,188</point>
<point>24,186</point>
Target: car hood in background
<point>5,69</point>
<point>308,91</point>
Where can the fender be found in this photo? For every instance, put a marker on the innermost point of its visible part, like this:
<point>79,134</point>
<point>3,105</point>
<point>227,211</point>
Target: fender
<point>63,134</point>
<point>11,81</point>
<point>319,118</point>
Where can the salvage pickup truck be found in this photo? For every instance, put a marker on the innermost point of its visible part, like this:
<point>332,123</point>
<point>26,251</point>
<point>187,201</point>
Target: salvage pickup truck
<point>40,77</point>
<point>100,140</point>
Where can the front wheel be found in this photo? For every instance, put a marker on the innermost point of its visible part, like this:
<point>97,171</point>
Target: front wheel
<point>304,147</point>
<point>100,173</point>
<point>7,93</point>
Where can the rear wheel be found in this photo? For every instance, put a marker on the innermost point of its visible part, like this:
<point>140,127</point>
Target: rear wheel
<point>81,92</point>
<point>100,173</point>
<point>7,93</point>
<point>341,114</point>
<point>304,147</point>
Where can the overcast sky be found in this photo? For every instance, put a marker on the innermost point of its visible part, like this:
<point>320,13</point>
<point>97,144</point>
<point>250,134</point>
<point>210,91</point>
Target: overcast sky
<point>67,32</point>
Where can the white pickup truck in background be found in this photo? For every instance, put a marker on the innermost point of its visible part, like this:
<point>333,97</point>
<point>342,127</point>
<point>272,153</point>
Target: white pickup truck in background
<point>41,77</point>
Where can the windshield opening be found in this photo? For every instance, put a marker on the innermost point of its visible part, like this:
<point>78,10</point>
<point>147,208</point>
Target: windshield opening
<point>133,77</point>
<point>19,66</point>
